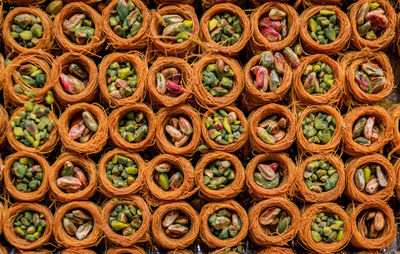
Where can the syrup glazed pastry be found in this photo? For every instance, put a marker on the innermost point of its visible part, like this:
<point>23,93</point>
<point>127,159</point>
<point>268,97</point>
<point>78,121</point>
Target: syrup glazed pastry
<point>72,177</point>
<point>174,30</point>
<point>274,26</point>
<point>219,176</point>
<point>26,134</point>
<point>321,178</point>
<point>374,226</point>
<point>178,130</point>
<point>270,175</point>
<point>27,28</point>
<point>369,178</point>
<point>273,222</point>
<point>366,130</point>
<point>126,23</point>
<point>225,28</point>
<point>324,29</point>
<point>77,78</point>
<point>373,24</point>
<point>370,77</point>
<point>175,225</point>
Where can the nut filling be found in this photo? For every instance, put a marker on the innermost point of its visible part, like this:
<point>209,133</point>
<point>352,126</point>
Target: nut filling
<point>26,30</point>
<point>72,178</point>
<point>224,224</point>
<point>371,223</point>
<point>370,178</point>
<point>370,78</point>
<point>125,219</point>
<point>371,20</point>
<point>225,29</point>
<point>218,78</point>
<point>121,79</point>
<point>179,131</point>
<point>30,76</point>
<point>272,129</point>
<point>235,250</point>
<point>79,28</point>
<point>218,174</point>
<point>29,225</point>
<point>121,171</point>
<point>274,27</point>
<point>74,78</point>
<point>269,175</point>
<point>223,127</point>
<point>168,177</point>
<point>27,174</point>
<point>274,221</point>
<point>133,127</point>
<point>366,130</point>
<point>176,224</point>
<point>323,27</point>
<point>32,126</point>
<point>268,74</point>
<point>175,28</point>
<point>327,228</point>
<point>169,82</point>
<point>320,176</point>
<point>318,128</point>
<point>318,78</point>
<point>126,19</point>
<point>83,127</point>
<point>78,224</point>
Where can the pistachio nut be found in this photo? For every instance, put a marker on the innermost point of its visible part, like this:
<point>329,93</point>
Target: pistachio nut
<point>319,127</point>
<point>366,130</point>
<point>32,126</point>
<point>29,225</point>
<point>168,176</point>
<point>320,176</point>
<point>218,78</point>
<point>218,174</point>
<point>169,82</point>
<point>78,28</point>
<point>74,79</point>
<point>176,224</point>
<point>175,28</point>
<point>272,129</point>
<point>71,178</point>
<point>26,30</point>
<point>274,26</point>
<point>133,127</point>
<point>77,223</point>
<point>268,74</point>
<point>318,78</point>
<point>121,171</point>
<point>224,224</point>
<point>323,27</point>
<point>370,178</point>
<point>327,228</point>
<point>371,223</point>
<point>370,78</point>
<point>274,220</point>
<point>371,20</point>
<point>30,76</point>
<point>223,127</point>
<point>126,19</point>
<point>179,130</point>
<point>83,127</point>
<point>268,175</point>
<point>225,28</point>
<point>125,219</point>
<point>121,79</point>
<point>27,174</point>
